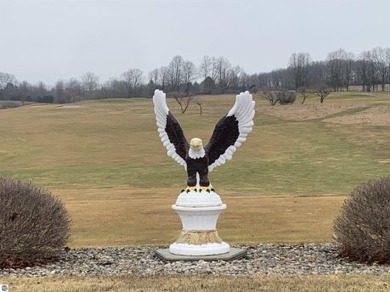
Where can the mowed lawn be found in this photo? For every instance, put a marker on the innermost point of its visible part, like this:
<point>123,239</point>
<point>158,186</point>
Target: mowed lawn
<point>285,184</point>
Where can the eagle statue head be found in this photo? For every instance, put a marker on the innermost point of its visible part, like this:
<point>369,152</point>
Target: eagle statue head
<point>196,148</point>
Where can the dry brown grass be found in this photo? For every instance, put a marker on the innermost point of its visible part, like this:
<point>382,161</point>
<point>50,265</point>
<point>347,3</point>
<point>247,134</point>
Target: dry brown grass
<point>350,108</point>
<point>374,116</point>
<point>206,283</point>
<point>144,216</point>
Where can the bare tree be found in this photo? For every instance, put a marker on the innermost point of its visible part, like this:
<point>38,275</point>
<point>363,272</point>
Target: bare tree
<point>11,91</point>
<point>224,73</point>
<point>206,72</point>
<point>348,69</point>
<point>379,56</point>
<point>387,53</point>
<point>279,79</point>
<point>199,103</point>
<point>300,64</point>
<point>189,74</point>
<point>235,74</point>
<point>243,80</point>
<point>5,79</point>
<point>339,69</point>
<point>183,101</point>
<point>362,70</point>
<point>214,69</point>
<point>163,76</point>
<point>175,73</point>
<point>40,89</point>
<point>59,91</point>
<point>304,93</point>
<point>261,81</point>
<point>24,91</point>
<point>318,75</point>
<point>334,65</point>
<point>367,70</point>
<point>105,90</point>
<point>372,71</point>
<point>73,90</point>
<point>116,88</point>
<point>322,93</point>
<point>223,68</point>
<point>132,78</point>
<point>90,82</point>
<point>154,76</point>
<point>205,67</point>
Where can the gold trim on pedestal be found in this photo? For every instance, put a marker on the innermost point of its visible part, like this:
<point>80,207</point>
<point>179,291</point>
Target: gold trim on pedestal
<point>199,237</point>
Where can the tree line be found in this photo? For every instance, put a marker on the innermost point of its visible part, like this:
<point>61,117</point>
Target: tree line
<point>215,75</point>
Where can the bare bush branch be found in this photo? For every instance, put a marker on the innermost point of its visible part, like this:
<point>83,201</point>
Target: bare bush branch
<point>282,96</point>
<point>271,97</point>
<point>34,225</point>
<point>363,227</point>
<point>286,97</point>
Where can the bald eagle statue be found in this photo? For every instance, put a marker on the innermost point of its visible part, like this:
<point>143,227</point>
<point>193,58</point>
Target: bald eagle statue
<point>229,133</point>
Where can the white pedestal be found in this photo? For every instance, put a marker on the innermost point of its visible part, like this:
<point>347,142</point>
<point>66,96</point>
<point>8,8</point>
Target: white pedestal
<point>199,212</point>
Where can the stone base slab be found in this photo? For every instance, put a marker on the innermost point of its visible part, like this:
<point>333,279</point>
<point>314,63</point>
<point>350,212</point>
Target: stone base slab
<point>233,254</point>
<point>199,249</point>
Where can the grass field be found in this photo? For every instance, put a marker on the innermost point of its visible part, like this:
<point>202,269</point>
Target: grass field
<point>285,184</point>
<point>206,283</point>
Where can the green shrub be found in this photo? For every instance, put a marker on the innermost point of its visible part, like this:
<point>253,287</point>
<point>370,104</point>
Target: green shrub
<point>363,225</point>
<point>34,225</point>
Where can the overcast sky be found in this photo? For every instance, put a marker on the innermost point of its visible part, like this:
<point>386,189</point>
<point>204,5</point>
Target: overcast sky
<point>44,40</point>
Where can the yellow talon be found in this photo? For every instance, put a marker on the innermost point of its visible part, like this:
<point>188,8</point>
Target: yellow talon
<point>190,189</point>
<point>207,189</point>
<point>198,189</point>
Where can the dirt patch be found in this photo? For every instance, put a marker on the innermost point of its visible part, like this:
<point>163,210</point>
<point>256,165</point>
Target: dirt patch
<point>301,112</point>
<point>375,116</point>
<point>67,106</point>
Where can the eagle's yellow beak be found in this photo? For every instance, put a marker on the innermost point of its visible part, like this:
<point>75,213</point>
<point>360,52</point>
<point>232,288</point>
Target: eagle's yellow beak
<point>196,143</point>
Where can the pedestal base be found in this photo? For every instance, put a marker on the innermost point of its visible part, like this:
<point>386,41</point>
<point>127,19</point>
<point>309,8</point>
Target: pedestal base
<point>233,254</point>
<point>199,212</point>
<point>199,249</point>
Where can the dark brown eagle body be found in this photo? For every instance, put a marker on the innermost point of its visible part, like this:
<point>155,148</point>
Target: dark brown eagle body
<point>200,166</point>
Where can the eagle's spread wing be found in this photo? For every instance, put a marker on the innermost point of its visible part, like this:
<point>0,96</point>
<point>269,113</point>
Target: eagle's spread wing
<point>231,130</point>
<point>169,129</point>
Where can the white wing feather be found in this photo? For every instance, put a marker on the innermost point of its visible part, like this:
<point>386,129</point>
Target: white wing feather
<point>244,111</point>
<point>161,110</point>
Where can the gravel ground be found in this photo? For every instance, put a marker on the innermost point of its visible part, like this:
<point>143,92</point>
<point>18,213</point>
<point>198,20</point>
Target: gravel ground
<point>263,259</point>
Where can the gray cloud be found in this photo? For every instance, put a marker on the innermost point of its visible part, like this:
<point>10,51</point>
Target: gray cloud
<point>49,40</point>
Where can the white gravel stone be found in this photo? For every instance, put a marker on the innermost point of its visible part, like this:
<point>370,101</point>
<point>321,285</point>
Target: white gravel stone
<point>263,259</point>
